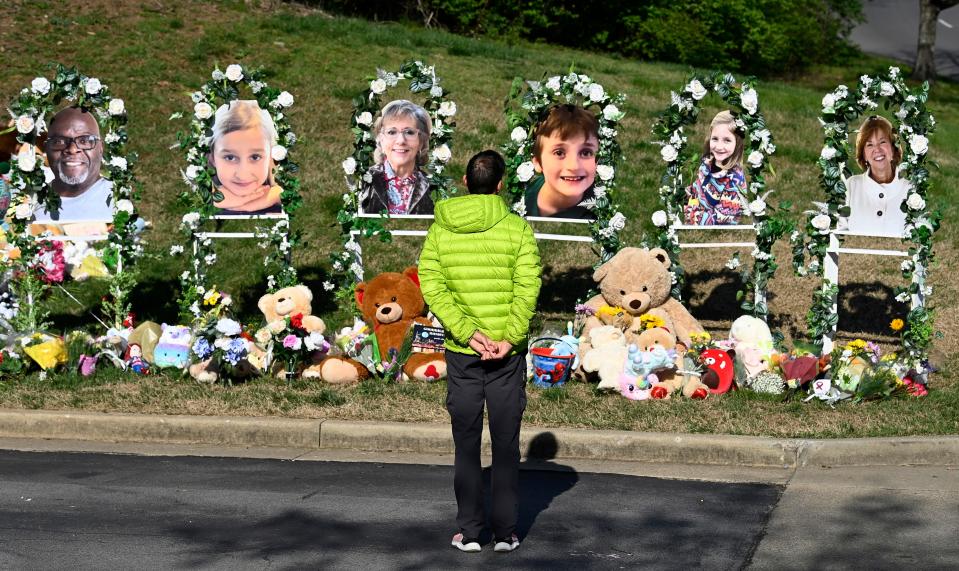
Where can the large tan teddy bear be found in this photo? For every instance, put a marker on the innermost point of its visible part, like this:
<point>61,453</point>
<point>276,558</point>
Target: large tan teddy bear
<point>287,302</point>
<point>638,280</point>
<point>391,303</point>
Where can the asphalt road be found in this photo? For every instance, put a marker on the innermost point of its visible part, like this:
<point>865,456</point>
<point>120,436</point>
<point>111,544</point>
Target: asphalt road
<point>891,29</point>
<point>102,511</point>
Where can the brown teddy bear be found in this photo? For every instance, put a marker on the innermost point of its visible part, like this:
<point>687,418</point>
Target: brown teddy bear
<point>679,379</point>
<point>390,304</point>
<point>287,302</point>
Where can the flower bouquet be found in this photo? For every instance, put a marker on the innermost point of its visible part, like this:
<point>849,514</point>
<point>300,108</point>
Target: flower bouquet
<point>294,348</point>
<point>222,348</point>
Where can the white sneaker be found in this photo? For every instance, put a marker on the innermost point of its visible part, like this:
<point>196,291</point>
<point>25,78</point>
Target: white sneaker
<point>506,545</point>
<point>467,545</point>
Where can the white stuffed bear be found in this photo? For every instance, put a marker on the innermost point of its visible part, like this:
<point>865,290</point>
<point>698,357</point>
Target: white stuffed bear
<point>753,344</point>
<point>607,355</point>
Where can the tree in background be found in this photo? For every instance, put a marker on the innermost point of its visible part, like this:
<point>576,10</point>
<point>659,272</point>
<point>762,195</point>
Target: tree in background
<point>925,68</point>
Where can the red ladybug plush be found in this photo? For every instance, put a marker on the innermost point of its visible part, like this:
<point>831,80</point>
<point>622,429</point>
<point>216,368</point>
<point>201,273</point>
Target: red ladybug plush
<point>719,370</point>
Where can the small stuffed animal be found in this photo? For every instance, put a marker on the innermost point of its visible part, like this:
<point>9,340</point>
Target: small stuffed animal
<point>753,344</point>
<point>607,355</point>
<point>640,371</point>
<point>134,360</point>
<point>173,348</point>
<point>719,370</point>
<point>679,378</point>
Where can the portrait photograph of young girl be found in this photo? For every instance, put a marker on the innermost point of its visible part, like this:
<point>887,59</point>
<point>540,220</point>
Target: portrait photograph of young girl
<point>718,193</point>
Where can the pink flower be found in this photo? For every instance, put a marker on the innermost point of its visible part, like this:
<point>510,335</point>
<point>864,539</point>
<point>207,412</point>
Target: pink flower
<point>292,342</point>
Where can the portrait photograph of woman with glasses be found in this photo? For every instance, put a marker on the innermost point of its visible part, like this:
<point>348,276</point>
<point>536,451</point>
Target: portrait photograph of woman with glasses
<point>396,184</point>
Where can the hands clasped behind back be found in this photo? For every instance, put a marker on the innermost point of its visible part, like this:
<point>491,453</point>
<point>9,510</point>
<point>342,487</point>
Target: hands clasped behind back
<point>487,348</point>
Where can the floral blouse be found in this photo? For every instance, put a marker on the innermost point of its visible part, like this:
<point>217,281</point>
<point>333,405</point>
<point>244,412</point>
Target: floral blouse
<point>715,197</point>
<point>399,191</point>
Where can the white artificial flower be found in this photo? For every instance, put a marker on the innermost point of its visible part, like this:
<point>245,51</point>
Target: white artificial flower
<point>447,109</point>
<point>124,205</point>
<point>190,219</point>
<point>24,210</point>
<point>228,326</point>
<point>903,297</point>
<point>349,165</point>
<point>605,172</point>
<point>525,171</point>
<point>596,92</point>
<point>116,107</point>
<point>365,118</point>
<point>902,113</point>
<point>828,102</point>
<point>582,88</point>
<point>378,86</point>
<point>48,175</point>
<point>278,152</point>
<point>618,221</point>
<point>821,222</point>
<point>25,124</point>
<point>906,266</point>
<point>217,75</point>
<point>284,99</point>
<point>192,172</point>
<point>915,202</point>
<point>827,153</point>
<point>733,263</point>
<point>750,100</point>
<point>669,153</point>
<point>659,218</point>
<point>175,250</point>
<point>886,89</point>
<point>755,159</point>
<point>119,162</point>
<point>27,159</point>
<point>436,91</point>
<point>696,89</point>
<point>919,144</point>
<point>894,72</point>
<point>328,286</point>
<point>40,85</point>
<point>203,110</point>
<point>234,72</point>
<point>257,86</point>
<point>92,86</point>
<point>111,138</point>
<point>553,83</point>
<point>757,207</point>
<point>518,135</point>
<point>314,341</point>
<point>442,153</point>
<point>611,113</point>
<point>519,207</point>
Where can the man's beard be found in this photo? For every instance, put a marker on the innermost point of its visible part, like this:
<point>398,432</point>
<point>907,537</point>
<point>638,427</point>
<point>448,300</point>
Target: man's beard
<point>73,180</point>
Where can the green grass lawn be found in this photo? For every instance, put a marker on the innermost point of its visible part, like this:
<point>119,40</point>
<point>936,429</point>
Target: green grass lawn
<point>154,55</point>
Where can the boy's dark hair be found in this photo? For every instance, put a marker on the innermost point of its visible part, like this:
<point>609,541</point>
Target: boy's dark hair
<point>484,172</point>
<point>567,121</point>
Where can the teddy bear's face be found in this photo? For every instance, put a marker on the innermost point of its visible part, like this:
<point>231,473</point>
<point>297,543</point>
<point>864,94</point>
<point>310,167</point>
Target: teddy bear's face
<point>655,337</point>
<point>635,279</point>
<point>287,301</point>
<point>390,297</point>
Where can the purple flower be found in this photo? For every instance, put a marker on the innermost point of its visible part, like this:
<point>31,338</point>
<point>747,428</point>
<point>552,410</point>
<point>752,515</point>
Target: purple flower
<point>583,309</point>
<point>201,348</point>
<point>292,342</point>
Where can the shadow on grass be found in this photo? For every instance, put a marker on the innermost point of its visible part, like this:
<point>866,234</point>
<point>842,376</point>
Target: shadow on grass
<point>868,308</point>
<point>562,289</point>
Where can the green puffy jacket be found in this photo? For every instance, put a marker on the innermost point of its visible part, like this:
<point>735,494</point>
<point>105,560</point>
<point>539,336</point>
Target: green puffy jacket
<point>479,270</point>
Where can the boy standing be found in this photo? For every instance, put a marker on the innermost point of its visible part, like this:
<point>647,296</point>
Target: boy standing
<point>480,274</point>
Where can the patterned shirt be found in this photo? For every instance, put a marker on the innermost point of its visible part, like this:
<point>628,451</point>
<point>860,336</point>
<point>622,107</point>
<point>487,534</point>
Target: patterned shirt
<point>400,191</point>
<point>715,198</point>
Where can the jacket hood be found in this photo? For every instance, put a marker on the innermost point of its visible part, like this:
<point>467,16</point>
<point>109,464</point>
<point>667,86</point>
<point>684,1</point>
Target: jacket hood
<point>470,214</point>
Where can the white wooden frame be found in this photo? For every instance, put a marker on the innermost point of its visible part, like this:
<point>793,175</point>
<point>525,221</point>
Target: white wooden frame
<point>831,272</point>
<point>759,295</point>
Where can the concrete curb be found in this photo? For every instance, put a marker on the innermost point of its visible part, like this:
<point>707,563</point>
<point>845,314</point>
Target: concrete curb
<point>318,434</point>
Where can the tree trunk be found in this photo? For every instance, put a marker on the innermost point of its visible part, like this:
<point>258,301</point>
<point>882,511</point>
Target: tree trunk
<point>925,68</point>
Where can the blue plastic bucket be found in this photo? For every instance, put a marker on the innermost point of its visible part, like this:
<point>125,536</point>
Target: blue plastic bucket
<point>549,370</point>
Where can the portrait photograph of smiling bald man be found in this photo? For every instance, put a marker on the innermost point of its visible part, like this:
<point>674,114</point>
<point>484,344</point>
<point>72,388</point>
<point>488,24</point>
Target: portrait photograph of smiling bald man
<point>74,152</point>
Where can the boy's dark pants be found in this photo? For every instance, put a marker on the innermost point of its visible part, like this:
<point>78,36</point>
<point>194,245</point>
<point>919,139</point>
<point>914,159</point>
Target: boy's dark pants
<point>502,383</point>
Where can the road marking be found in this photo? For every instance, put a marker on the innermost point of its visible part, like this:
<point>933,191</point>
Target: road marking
<point>945,23</point>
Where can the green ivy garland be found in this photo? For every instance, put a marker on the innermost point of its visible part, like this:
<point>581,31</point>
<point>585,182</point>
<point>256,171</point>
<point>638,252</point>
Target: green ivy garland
<point>347,264</point>
<point>913,123</point>
<point>277,240</point>
<point>30,182</point>
<point>770,223</point>
<point>534,99</point>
